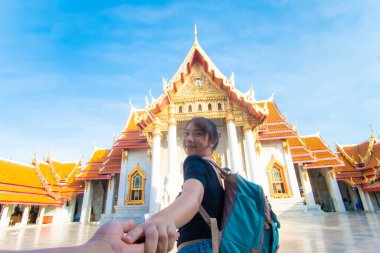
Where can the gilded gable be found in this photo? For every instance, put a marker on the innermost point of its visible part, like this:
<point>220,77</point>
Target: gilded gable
<point>199,87</point>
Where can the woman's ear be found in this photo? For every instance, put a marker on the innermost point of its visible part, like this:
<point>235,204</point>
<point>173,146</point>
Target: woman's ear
<point>213,143</point>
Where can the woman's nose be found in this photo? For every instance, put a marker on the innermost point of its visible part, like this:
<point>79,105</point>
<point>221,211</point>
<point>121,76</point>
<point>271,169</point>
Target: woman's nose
<point>190,137</point>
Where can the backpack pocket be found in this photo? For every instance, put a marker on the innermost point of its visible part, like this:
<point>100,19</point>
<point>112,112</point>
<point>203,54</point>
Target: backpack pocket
<point>236,238</point>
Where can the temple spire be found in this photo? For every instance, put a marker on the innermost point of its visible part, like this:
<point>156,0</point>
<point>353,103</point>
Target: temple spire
<point>195,35</point>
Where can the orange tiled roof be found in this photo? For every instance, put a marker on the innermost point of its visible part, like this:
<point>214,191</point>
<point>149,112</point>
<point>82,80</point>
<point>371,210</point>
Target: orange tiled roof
<point>112,163</point>
<point>19,184</point>
<point>275,126</point>
<point>359,155</point>
<point>58,187</point>
<point>325,157</point>
<point>374,159</point>
<point>27,199</point>
<point>94,164</point>
<point>60,170</point>
<point>131,137</point>
<point>361,162</point>
<point>299,152</point>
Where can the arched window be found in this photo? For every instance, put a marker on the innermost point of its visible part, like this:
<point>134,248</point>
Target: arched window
<point>209,107</point>
<point>180,109</point>
<point>277,180</point>
<point>190,109</point>
<point>136,187</point>
<point>199,107</point>
<point>219,106</point>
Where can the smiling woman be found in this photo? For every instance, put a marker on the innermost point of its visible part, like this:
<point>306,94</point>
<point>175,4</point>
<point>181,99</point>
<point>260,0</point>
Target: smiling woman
<point>201,187</point>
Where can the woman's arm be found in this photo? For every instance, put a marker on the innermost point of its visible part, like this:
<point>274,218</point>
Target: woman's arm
<point>160,230</point>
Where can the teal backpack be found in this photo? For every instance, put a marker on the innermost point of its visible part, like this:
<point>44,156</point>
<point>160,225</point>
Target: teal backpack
<point>248,223</point>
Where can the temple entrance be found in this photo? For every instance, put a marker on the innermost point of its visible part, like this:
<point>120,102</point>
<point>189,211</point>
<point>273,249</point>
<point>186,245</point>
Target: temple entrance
<point>321,191</point>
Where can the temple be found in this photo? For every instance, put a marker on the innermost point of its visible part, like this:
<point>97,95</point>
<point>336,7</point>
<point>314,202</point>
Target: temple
<point>142,171</point>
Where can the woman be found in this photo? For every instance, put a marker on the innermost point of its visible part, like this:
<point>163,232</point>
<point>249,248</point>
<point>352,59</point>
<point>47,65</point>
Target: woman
<point>201,187</point>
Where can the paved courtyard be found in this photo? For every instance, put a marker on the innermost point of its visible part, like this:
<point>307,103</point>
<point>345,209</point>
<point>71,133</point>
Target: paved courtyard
<point>351,232</point>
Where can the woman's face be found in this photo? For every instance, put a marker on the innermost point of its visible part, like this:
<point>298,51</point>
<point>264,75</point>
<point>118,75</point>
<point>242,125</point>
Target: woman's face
<point>195,142</point>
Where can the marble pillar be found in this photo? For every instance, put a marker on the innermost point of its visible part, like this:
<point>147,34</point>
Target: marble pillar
<point>87,203</point>
<point>155,189</point>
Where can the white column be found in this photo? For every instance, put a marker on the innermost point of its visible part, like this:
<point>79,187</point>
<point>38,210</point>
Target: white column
<point>367,204</point>
<point>110,195</point>
<point>252,170</point>
<point>121,195</point>
<point>6,213</point>
<point>173,180</point>
<point>155,189</point>
<point>41,214</point>
<point>306,186</point>
<point>291,172</point>
<point>25,216</point>
<point>233,142</point>
<point>334,191</point>
<point>73,202</point>
<point>87,203</point>
<point>254,173</point>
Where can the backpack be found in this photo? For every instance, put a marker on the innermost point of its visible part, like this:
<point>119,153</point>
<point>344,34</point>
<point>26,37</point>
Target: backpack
<point>248,223</point>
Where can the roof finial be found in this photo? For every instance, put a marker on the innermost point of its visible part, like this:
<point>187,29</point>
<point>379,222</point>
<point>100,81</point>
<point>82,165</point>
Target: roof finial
<point>272,96</point>
<point>195,35</point>
<point>232,79</point>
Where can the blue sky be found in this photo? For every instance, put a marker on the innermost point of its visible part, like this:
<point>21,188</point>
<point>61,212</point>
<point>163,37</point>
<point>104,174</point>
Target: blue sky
<point>68,68</point>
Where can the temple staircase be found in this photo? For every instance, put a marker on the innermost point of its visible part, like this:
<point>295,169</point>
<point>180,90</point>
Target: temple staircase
<point>290,207</point>
<point>122,213</point>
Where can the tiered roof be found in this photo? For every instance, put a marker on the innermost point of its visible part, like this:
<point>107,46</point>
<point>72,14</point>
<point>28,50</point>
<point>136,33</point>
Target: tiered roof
<point>275,126</point>
<point>130,138</point>
<point>19,184</point>
<point>325,158</point>
<point>361,164</point>
<point>300,153</point>
<point>195,56</point>
<point>93,166</point>
<point>58,178</point>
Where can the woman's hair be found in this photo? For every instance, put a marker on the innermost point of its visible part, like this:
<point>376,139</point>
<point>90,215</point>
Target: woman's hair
<point>208,127</point>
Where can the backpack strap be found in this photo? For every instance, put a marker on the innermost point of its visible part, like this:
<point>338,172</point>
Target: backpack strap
<point>222,172</point>
<point>213,224</point>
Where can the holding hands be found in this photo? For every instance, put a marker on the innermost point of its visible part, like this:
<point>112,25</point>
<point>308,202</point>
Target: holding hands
<point>159,234</point>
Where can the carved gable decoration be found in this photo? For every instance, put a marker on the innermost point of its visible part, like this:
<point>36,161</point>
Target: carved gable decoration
<point>199,87</point>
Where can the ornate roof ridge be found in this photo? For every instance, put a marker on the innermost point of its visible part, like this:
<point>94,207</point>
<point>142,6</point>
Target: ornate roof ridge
<point>57,175</point>
<point>344,154</point>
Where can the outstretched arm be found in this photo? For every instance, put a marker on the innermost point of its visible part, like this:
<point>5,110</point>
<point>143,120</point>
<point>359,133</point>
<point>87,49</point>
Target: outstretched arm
<point>108,238</point>
<point>160,230</point>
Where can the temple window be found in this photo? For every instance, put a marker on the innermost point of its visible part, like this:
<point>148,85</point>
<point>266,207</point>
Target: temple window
<point>180,109</point>
<point>199,107</point>
<point>198,82</point>
<point>136,187</point>
<point>209,107</point>
<point>277,180</point>
<point>190,109</point>
<point>219,106</point>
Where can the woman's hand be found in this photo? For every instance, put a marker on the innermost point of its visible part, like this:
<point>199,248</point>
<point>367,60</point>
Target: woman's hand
<point>159,233</point>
